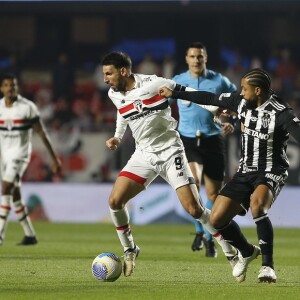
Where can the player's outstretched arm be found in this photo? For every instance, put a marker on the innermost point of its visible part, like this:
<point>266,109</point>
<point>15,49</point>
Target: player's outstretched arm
<point>225,100</point>
<point>39,129</point>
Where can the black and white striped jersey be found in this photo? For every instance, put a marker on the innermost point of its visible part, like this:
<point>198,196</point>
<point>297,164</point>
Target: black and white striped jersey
<point>265,129</point>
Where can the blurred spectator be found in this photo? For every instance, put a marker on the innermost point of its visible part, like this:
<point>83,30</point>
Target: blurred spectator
<point>82,114</point>
<point>286,70</point>
<point>43,100</point>
<point>63,77</point>
<point>63,111</point>
<point>168,67</point>
<point>96,107</point>
<point>99,81</point>
<point>148,66</point>
<point>66,136</point>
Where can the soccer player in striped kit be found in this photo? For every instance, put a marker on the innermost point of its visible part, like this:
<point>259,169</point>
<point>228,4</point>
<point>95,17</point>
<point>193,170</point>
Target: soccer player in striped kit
<point>159,151</point>
<point>18,116</point>
<point>266,124</point>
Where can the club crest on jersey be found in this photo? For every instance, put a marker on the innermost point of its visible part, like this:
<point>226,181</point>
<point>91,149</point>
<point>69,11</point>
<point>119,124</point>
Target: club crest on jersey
<point>138,105</point>
<point>266,119</point>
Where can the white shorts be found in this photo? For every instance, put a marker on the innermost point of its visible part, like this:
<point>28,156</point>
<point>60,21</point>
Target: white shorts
<point>171,164</point>
<point>13,170</point>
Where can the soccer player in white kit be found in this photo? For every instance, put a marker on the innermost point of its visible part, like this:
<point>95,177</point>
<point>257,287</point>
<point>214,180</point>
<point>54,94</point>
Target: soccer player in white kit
<point>18,116</point>
<point>159,151</point>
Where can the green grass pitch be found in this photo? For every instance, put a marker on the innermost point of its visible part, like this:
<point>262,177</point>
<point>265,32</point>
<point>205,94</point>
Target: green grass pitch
<point>59,267</point>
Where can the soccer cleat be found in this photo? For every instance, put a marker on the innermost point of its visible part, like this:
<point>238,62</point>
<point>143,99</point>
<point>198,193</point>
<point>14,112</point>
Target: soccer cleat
<point>28,240</point>
<point>1,241</point>
<point>130,256</point>
<point>233,260</point>
<point>198,242</point>
<point>210,248</point>
<point>243,262</point>
<point>266,274</point>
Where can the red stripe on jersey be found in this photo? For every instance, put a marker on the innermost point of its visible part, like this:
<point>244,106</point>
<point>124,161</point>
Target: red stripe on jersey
<point>132,176</point>
<point>20,121</point>
<point>15,121</point>
<point>126,108</point>
<point>152,100</point>
<point>5,207</point>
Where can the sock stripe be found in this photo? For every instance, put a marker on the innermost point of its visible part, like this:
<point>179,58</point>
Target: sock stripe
<point>20,210</point>
<point>260,218</point>
<point>123,227</point>
<point>5,207</point>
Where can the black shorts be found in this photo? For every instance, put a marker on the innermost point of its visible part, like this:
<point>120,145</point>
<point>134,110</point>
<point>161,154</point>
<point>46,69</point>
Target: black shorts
<point>242,185</point>
<point>210,154</point>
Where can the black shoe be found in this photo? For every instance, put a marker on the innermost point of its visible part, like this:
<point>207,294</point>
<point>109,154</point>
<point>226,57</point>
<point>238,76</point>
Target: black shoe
<point>198,242</point>
<point>211,250</point>
<point>28,240</point>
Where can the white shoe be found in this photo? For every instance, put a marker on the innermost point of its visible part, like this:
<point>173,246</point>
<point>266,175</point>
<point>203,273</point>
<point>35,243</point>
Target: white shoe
<point>129,260</point>
<point>266,274</point>
<point>233,260</point>
<point>243,262</point>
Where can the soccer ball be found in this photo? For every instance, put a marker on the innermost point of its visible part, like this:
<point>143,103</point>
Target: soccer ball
<point>107,267</point>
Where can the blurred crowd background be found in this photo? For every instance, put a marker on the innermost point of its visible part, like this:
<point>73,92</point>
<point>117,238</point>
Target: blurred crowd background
<point>55,49</point>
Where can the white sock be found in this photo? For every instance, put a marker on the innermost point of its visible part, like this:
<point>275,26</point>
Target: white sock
<point>120,218</point>
<point>227,248</point>
<point>204,220</point>
<point>4,212</point>
<point>24,219</point>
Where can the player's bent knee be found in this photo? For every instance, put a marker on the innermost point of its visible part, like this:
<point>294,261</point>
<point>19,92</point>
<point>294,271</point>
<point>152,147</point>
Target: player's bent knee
<point>115,203</point>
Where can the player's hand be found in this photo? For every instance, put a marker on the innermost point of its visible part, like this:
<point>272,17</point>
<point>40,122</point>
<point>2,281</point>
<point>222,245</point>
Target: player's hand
<point>113,143</point>
<point>165,92</point>
<point>227,128</point>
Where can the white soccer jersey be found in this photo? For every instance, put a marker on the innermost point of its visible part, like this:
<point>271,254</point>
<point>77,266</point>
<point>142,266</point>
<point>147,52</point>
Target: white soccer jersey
<point>147,114</point>
<point>15,129</point>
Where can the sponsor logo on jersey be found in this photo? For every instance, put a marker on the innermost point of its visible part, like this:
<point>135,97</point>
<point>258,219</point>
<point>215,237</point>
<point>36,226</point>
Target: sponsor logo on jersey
<point>274,177</point>
<point>226,95</point>
<point>142,115</point>
<point>145,94</point>
<point>254,133</point>
<point>146,79</point>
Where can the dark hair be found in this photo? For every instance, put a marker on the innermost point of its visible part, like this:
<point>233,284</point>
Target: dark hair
<point>259,77</point>
<point>117,59</point>
<point>197,45</point>
<point>6,76</point>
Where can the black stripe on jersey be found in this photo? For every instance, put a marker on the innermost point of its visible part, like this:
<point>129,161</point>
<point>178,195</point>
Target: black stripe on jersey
<point>27,127</point>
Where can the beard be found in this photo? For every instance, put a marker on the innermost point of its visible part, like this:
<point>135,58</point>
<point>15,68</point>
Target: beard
<point>251,104</point>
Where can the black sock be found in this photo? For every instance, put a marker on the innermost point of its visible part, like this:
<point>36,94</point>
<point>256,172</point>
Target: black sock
<point>232,233</point>
<point>265,239</point>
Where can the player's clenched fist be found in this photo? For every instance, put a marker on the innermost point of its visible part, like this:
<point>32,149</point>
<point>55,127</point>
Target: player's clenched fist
<point>165,92</point>
<point>113,143</point>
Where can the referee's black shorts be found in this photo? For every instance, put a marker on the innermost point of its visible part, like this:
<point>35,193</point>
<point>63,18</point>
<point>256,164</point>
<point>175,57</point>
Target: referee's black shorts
<point>210,154</point>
